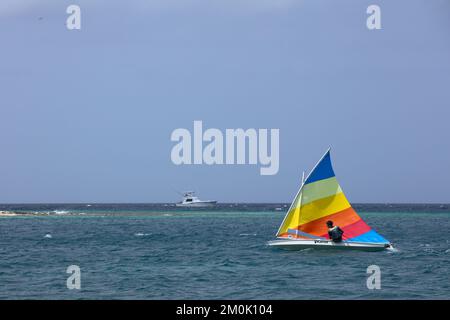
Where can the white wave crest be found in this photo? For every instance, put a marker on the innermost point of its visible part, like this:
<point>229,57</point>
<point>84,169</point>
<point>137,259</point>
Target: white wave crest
<point>61,212</point>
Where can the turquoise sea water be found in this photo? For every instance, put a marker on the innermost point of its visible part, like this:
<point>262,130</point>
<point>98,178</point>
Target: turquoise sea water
<point>159,252</point>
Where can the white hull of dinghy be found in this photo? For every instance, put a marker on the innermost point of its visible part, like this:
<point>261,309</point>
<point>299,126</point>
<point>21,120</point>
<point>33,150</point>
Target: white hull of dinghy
<point>299,244</point>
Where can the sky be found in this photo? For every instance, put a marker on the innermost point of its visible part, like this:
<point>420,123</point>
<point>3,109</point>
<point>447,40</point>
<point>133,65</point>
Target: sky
<point>87,115</point>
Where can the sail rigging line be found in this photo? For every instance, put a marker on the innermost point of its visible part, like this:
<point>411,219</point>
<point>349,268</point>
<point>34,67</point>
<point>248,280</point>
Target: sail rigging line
<point>301,198</point>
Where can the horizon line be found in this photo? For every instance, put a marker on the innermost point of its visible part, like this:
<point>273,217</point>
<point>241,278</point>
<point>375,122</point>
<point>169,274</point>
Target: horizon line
<point>219,203</point>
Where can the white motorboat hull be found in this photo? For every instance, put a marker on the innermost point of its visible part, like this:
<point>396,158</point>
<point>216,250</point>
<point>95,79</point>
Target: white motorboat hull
<point>299,244</point>
<point>199,204</point>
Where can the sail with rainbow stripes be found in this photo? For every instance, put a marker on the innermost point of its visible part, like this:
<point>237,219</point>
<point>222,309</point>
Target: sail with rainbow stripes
<point>320,199</point>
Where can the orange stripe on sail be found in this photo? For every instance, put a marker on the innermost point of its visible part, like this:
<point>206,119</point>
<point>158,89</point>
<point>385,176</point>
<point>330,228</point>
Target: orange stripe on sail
<point>319,227</point>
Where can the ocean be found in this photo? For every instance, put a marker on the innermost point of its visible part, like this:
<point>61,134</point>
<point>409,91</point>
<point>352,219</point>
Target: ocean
<point>157,251</point>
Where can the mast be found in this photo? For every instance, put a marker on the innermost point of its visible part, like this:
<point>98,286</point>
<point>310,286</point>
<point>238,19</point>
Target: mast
<point>301,187</point>
<point>301,198</point>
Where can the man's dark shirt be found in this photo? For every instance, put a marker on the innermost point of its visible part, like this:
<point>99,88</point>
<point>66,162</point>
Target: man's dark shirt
<point>335,234</point>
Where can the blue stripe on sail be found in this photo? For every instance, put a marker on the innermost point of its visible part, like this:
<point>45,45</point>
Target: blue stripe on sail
<point>370,236</point>
<point>323,170</point>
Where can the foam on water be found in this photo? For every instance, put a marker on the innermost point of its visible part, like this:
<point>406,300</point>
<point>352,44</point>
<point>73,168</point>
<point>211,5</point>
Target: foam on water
<point>61,212</point>
<point>393,250</point>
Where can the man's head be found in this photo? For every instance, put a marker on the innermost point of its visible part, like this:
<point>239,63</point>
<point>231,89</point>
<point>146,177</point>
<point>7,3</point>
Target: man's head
<point>330,224</point>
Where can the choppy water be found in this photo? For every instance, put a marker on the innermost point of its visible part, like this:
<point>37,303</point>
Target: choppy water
<point>159,252</point>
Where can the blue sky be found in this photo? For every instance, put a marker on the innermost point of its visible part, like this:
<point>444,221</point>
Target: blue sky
<point>87,115</point>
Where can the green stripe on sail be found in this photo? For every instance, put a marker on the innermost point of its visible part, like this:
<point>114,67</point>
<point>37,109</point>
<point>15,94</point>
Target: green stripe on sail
<point>320,189</point>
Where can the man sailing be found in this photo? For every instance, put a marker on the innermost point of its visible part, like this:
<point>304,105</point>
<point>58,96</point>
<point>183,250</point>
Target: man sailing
<point>334,232</point>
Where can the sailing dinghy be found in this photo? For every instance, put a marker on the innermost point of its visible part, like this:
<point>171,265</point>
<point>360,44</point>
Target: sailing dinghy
<point>319,199</point>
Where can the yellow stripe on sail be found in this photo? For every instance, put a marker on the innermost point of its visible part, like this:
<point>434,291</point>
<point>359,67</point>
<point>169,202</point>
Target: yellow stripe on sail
<point>293,217</point>
<point>323,207</point>
<point>301,214</point>
<point>320,189</point>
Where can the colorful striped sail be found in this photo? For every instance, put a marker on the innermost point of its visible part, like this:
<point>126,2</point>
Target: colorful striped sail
<point>320,199</point>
